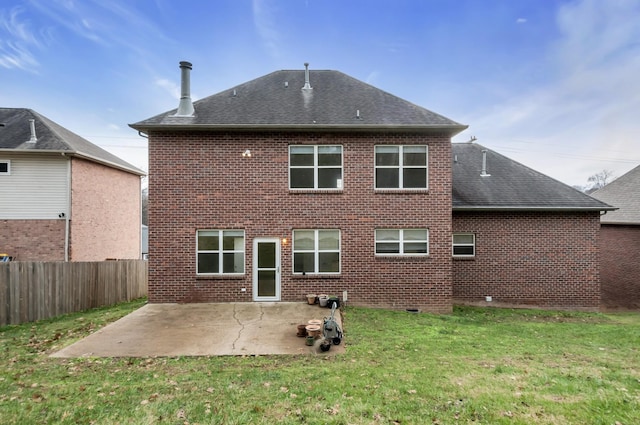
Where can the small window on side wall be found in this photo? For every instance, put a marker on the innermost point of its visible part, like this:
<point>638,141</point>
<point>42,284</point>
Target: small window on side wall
<point>464,245</point>
<point>5,167</point>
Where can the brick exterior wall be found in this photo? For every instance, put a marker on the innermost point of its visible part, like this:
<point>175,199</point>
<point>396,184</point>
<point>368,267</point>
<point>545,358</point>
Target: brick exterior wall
<point>620,272</point>
<point>105,213</point>
<point>529,259</point>
<point>33,240</point>
<point>200,180</point>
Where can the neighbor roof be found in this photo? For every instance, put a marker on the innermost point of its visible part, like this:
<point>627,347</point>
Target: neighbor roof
<point>278,101</point>
<point>509,185</point>
<point>624,193</point>
<point>15,132</point>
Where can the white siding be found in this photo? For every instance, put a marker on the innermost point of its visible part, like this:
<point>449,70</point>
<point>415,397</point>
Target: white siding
<point>37,188</point>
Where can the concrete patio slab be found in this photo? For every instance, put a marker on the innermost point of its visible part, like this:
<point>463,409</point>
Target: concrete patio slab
<point>216,329</point>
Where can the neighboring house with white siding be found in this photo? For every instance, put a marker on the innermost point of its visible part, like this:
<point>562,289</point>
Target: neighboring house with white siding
<point>63,198</point>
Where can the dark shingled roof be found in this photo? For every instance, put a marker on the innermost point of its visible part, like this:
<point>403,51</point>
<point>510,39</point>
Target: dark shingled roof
<point>15,132</point>
<point>624,193</point>
<point>277,101</point>
<point>509,185</point>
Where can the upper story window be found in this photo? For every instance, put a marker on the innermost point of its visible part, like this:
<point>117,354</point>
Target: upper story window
<point>220,252</point>
<point>315,167</point>
<point>316,251</point>
<point>5,167</point>
<point>401,167</point>
<point>464,245</point>
<point>402,241</point>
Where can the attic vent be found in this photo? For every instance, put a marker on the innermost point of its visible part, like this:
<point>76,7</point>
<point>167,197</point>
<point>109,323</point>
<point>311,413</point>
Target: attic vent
<point>286,84</point>
<point>307,84</point>
<point>34,138</point>
<point>484,173</point>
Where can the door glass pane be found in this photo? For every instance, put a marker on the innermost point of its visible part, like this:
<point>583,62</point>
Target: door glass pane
<point>302,178</point>
<point>266,255</point>
<point>303,240</point>
<point>266,283</point>
<point>303,262</point>
<point>329,262</point>
<point>414,177</point>
<point>387,178</point>
<point>208,263</point>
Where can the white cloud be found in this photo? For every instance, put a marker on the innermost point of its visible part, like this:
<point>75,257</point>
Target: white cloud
<point>521,21</point>
<point>170,86</point>
<point>586,118</point>
<point>264,21</point>
<point>19,41</point>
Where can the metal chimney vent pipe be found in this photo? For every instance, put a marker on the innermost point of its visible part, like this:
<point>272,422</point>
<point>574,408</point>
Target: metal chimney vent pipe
<point>185,108</point>
<point>484,173</point>
<point>307,84</point>
<point>32,125</point>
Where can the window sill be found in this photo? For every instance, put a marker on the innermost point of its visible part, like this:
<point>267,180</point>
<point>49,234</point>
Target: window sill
<point>316,276</point>
<point>399,191</point>
<point>220,277</point>
<point>313,191</point>
<point>473,258</point>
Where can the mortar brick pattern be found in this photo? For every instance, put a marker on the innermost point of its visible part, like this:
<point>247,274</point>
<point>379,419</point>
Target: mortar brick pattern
<point>200,180</point>
<point>33,240</point>
<point>537,259</point>
<point>620,272</point>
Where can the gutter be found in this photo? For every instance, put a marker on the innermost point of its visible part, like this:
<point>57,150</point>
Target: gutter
<point>522,209</point>
<point>448,129</point>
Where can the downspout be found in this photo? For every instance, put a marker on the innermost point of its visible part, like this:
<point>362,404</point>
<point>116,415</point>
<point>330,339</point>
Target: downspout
<point>67,214</point>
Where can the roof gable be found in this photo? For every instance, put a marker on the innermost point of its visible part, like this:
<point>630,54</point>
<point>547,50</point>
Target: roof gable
<point>509,185</point>
<point>278,100</point>
<point>51,137</point>
<point>624,193</point>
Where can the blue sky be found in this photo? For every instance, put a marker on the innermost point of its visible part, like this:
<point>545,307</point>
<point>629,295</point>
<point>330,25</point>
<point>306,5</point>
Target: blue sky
<point>553,84</point>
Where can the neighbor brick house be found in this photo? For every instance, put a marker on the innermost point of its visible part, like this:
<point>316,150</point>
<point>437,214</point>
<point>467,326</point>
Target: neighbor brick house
<point>620,242</point>
<point>63,198</point>
<point>314,182</point>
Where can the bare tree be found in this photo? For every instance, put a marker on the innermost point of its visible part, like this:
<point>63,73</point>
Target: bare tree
<point>599,180</point>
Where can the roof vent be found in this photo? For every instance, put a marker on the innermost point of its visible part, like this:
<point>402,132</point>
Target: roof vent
<point>185,108</point>
<point>34,138</point>
<point>484,173</point>
<point>307,85</point>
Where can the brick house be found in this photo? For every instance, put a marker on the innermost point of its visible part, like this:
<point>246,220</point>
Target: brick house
<point>63,198</point>
<point>314,182</point>
<point>620,242</point>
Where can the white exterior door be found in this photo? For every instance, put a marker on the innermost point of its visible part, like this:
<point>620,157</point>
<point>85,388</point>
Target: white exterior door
<point>266,269</point>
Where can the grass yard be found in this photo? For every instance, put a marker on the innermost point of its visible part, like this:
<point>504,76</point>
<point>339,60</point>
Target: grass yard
<point>476,366</point>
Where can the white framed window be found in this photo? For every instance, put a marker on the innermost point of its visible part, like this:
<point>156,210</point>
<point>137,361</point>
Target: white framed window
<point>401,167</point>
<point>315,167</point>
<point>5,167</point>
<point>316,251</point>
<point>464,245</point>
<point>402,242</point>
<point>220,252</point>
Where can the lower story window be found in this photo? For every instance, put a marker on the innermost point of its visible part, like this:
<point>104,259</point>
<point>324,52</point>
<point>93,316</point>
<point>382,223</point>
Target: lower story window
<point>402,241</point>
<point>464,245</point>
<point>316,251</point>
<point>220,252</point>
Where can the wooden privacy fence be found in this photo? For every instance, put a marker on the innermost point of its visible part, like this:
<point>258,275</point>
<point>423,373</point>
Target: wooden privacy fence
<point>31,291</point>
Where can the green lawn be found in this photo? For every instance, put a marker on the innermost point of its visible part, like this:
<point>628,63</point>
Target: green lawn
<point>476,366</point>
